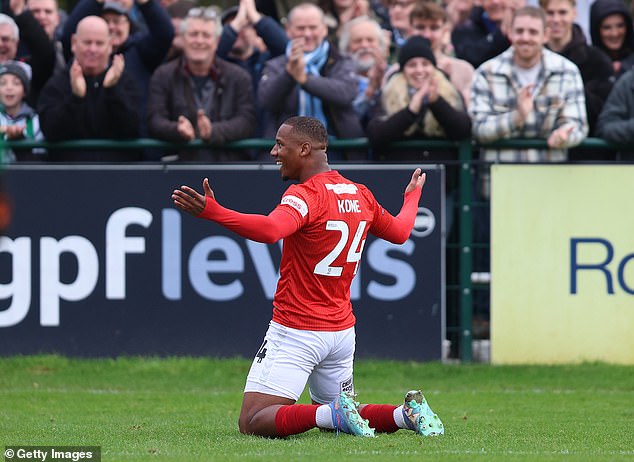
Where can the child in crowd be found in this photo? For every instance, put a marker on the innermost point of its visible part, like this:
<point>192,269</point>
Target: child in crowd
<point>18,120</point>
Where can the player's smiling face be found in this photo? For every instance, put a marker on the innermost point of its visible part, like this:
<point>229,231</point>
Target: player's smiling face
<point>286,152</point>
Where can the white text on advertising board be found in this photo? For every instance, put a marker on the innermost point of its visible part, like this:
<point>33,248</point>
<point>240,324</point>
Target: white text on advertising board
<point>383,258</point>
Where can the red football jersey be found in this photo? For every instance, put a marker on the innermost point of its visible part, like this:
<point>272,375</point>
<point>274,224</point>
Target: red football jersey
<point>324,223</point>
<point>319,261</point>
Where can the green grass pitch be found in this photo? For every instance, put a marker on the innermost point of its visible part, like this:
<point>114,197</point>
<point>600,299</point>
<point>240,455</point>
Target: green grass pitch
<point>186,409</point>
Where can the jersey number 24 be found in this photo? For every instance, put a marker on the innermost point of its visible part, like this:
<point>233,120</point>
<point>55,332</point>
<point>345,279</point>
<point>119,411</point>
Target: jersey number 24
<point>324,267</point>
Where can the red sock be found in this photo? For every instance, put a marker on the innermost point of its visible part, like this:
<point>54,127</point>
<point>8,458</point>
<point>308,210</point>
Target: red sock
<point>295,418</point>
<point>381,417</point>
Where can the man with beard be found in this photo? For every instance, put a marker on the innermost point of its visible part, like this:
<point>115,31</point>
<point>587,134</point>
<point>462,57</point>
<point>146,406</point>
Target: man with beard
<point>363,39</point>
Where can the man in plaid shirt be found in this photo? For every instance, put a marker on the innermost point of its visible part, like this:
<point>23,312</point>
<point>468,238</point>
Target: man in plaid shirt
<point>528,92</point>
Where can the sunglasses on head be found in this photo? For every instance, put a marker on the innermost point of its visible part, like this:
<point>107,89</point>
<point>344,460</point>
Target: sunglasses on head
<point>208,13</point>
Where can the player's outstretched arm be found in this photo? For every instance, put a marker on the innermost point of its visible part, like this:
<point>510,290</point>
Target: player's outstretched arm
<point>396,229</point>
<point>191,201</point>
<point>261,228</point>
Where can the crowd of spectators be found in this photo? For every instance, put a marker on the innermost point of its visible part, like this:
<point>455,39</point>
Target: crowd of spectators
<point>387,70</point>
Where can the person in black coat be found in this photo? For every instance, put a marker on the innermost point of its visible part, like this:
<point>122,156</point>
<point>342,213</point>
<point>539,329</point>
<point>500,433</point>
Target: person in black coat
<point>248,39</point>
<point>144,49</point>
<point>612,31</point>
<point>417,102</point>
<point>95,99</point>
<point>567,39</point>
<point>483,36</point>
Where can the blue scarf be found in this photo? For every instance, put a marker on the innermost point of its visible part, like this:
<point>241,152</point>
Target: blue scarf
<point>310,105</point>
<point>490,25</point>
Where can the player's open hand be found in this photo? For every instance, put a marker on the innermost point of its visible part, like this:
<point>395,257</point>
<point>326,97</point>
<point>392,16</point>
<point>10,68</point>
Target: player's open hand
<point>191,201</point>
<point>417,181</point>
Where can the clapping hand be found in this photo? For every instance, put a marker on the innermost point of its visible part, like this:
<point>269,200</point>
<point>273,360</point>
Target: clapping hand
<point>185,128</point>
<point>204,125</point>
<point>13,132</point>
<point>253,14</point>
<point>77,80</point>
<point>114,72</point>
<point>296,66</point>
<point>525,102</point>
<point>241,19</point>
<point>376,73</point>
<point>428,90</point>
<point>559,137</point>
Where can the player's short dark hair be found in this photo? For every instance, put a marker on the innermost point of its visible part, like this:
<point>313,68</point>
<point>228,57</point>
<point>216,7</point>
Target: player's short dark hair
<point>309,127</point>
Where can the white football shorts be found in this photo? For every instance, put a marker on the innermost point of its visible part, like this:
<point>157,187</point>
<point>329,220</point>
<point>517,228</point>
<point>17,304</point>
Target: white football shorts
<point>289,358</point>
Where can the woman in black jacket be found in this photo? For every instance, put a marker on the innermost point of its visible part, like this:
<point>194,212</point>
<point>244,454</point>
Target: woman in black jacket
<point>417,102</point>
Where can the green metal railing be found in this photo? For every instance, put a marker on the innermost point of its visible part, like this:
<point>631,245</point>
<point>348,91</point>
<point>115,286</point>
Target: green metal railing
<point>465,163</point>
<point>265,143</point>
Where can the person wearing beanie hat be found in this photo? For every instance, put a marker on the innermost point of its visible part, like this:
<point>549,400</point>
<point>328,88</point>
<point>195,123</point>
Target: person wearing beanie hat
<point>18,120</point>
<point>432,21</point>
<point>415,47</point>
<point>417,102</point>
<point>20,70</point>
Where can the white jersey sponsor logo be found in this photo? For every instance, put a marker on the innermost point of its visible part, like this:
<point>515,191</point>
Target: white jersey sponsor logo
<point>297,203</point>
<point>342,188</point>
